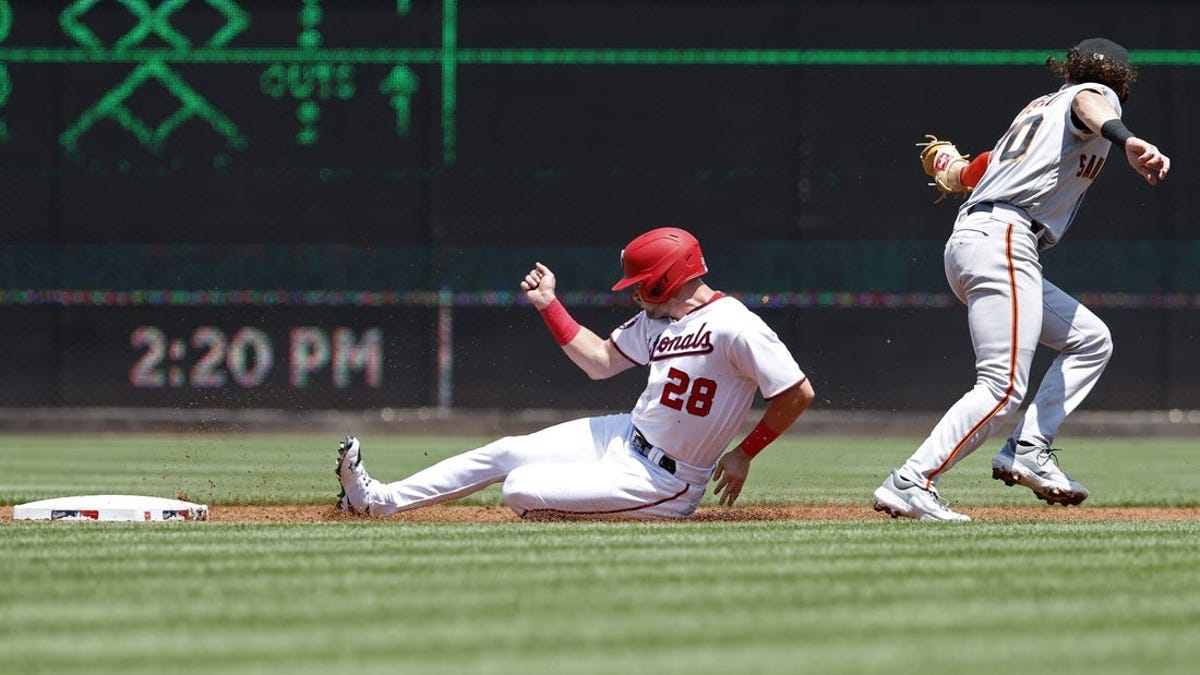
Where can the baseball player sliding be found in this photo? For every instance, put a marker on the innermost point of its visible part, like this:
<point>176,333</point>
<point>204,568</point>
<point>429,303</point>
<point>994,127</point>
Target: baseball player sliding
<point>707,356</point>
<point>1031,186</point>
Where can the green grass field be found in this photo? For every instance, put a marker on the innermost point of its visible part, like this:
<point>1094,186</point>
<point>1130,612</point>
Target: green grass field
<point>870,596</point>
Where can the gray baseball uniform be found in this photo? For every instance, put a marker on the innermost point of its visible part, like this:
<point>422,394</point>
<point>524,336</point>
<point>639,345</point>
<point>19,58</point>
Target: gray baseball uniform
<point>1036,178</point>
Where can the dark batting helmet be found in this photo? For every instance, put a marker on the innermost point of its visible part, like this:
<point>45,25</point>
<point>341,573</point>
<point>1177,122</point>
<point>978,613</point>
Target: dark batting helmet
<point>661,261</point>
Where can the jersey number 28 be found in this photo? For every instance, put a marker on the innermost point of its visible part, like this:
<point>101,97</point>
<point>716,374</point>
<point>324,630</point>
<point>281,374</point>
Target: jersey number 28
<point>683,393</point>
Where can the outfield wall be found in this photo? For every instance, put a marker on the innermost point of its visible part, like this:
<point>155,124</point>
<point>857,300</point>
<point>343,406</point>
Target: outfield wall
<point>331,425</point>
<point>270,208</point>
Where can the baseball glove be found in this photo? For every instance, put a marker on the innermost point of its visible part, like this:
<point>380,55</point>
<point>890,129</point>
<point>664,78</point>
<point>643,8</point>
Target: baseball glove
<point>941,162</point>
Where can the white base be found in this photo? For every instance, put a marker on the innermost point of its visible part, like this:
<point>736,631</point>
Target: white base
<point>110,508</point>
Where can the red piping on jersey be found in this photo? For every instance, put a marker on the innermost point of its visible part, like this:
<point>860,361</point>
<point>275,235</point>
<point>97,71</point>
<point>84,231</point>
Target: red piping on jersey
<point>1012,366</point>
<point>717,295</point>
<point>611,512</point>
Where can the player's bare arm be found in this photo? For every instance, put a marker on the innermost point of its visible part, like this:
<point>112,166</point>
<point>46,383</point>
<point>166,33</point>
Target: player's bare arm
<point>1099,116</point>
<point>781,413</point>
<point>596,356</point>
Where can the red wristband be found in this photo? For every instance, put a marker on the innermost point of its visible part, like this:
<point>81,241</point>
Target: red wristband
<point>561,325</point>
<point>758,439</point>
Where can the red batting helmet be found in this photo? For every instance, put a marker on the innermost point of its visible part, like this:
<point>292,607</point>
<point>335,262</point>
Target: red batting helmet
<point>661,261</point>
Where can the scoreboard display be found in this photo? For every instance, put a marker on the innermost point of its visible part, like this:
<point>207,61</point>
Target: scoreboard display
<point>465,122</point>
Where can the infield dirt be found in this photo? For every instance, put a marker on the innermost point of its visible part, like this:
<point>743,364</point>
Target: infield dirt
<point>501,514</point>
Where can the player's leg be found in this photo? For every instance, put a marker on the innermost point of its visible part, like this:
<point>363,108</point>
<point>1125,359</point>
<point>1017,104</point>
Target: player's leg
<point>1085,347</point>
<point>995,270</point>
<point>471,471</point>
<point>601,490</point>
<point>999,290</point>
<point>622,484</point>
<point>992,267</point>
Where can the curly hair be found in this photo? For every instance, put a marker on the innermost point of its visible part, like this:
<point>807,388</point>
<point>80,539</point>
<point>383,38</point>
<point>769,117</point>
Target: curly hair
<point>1077,68</point>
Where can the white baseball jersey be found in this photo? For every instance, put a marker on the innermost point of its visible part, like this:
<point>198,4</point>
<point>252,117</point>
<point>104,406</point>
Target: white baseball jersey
<point>704,371</point>
<point>1045,162</point>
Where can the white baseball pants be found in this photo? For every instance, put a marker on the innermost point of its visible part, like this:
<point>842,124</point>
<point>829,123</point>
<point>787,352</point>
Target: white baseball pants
<point>584,468</point>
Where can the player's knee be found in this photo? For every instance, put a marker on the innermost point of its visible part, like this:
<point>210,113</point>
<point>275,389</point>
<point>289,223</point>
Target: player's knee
<point>519,491</point>
<point>1092,340</point>
<point>1007,393</point>
<point>1007,397</point>
<point>1102,344</point>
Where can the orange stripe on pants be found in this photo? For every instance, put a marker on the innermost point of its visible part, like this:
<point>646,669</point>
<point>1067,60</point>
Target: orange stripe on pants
<point>1012,367</point>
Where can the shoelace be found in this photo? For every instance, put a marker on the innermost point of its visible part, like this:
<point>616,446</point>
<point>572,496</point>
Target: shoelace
<point>942,502</point>
<point>1044,456</point>
<point>1047,455</point>
<point>937,497</point>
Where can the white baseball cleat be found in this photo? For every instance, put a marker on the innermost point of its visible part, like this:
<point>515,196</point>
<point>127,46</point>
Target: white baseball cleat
<point>1036,467</point>
<point>353,477</point>
<point>900,497</point>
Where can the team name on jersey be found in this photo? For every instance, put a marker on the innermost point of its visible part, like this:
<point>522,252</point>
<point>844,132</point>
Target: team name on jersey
<point>1089,166</point>
<point>697,342</point>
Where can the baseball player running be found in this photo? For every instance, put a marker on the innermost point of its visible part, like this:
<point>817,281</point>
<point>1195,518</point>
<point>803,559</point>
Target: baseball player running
<point>1031,186</point>
<point>707,355</point>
